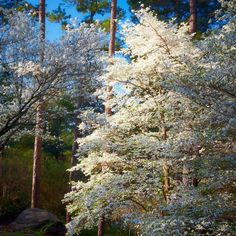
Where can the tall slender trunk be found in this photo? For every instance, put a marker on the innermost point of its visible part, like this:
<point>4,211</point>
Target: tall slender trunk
<point>193,16</point>
<point>166,173</point>
<point>109,97</point>
<point>102,220</point>
<point>112,46</point>
<point>35,197</point>
<point>113,28</point>
<point>166,187</point>
<point>101,226</point>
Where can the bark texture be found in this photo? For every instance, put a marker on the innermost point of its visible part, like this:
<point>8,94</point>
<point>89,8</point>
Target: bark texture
<point>109,97</point>
<point>101,226</point>
<point>108,110</point>
<point>193,16</point>
<point>113,28</point>
<point>35,197</point>
<point>166,187</point>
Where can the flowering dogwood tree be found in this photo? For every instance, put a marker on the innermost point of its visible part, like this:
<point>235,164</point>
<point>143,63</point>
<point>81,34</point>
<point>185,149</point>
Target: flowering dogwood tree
<point>180,110</point>
<point>25,78</point>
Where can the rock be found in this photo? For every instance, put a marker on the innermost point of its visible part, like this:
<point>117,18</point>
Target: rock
<point>38,219</point>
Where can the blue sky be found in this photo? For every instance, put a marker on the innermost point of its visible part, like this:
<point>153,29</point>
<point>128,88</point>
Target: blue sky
<point>53,30</point>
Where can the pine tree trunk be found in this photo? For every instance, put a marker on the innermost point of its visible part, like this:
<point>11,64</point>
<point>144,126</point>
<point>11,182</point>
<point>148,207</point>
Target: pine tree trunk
<point>109,97</point>
<point>37,159</point>
<point>35,197</point>
<point>101,226</point>
<point>166,171</point>
<point>102,221</point>
<point>193,16</point>
<point>166,187</point>
<point>113,28</point>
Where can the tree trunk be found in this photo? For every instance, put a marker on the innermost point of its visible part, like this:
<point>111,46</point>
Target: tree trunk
<point>193,16</point>
<point>35,197</point>
<point>109,97</point>
<point>42,9</point>
<point>37,159</point>
<point>113,28</point>
<point>166,171</point>
<point>101,223</point>
<point>101,226</point>
<point>166,187</point>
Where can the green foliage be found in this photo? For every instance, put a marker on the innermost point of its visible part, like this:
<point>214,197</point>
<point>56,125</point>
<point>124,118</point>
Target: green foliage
<point>111,230</point>
<point>42,231</point>
<point>179,10</point>
<point>92,6</point>
<point>59,15</point>
<point>105,25</point>
<point>16,178</point>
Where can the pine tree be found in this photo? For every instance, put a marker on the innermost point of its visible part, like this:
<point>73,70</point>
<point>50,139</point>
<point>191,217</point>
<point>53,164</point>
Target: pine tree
<point>91,8</point>
<point>35,198</point>
<point>180,10</point>
<point>193,16</point>
<point>101,223</point>
<point>113,27</point>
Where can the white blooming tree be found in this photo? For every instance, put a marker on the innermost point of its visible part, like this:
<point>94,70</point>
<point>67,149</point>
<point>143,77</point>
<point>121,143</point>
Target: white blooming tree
<point>180,112</point>
<point>25,78</point>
